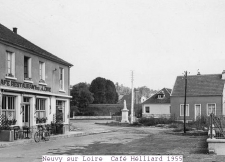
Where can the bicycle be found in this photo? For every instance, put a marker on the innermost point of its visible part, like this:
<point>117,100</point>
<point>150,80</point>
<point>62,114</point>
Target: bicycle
<point>41,134</point>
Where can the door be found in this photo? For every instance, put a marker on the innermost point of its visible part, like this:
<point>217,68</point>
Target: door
<point>26,115</point>
<point>26,112</point>
<point>197,111</point>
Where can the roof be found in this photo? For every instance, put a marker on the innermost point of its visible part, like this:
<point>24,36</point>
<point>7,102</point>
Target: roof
<point>199,85</point>
<point>154,99</point>
<point>8,36</point>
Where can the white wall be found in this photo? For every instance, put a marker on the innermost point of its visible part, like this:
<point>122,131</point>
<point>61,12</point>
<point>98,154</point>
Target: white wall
<point>157,108</point>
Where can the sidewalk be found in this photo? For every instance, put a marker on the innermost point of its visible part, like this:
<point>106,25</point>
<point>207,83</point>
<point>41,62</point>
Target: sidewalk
<point>54,137</point>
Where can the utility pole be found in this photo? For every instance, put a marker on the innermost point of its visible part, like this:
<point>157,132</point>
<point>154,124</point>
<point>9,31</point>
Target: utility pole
<point>132,99</point>
<point>185,96</point>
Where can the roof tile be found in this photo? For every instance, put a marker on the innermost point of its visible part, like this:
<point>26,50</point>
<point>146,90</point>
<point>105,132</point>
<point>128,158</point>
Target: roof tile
<point>154,99</point>
<point>9,36</point>
<point>199,85</point>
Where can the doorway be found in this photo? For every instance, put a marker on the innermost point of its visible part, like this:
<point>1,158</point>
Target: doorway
<point>26,111</point>
<point>197,111</point>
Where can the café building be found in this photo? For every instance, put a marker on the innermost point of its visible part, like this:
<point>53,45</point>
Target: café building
<point>34,84</point>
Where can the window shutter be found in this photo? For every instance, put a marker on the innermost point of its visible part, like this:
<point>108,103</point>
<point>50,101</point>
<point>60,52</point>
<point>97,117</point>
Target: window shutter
<point>0,103</point>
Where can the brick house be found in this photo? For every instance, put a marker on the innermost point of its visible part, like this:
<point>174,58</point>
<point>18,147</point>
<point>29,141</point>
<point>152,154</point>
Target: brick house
<point>204,96</point>
<point>157,105</point>
<point>34,84</point>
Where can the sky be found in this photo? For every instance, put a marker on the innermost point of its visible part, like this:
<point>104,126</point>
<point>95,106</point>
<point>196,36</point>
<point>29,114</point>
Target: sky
<point>156,39</point>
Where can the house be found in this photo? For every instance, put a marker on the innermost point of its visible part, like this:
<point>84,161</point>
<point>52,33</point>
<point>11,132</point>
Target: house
<point>138,98</point>
<point>143,99</point>
<point>34,84</point>
<point>204,96</point>
<point>157,105</point>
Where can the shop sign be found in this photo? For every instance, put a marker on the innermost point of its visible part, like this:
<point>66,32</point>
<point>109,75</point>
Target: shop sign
<point>12,83</point>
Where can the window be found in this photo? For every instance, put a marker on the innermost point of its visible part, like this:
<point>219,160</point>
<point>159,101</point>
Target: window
<point>161,96</point>
<point>40,108</point>
<point>42,71</point>
<point>211,109</point>
<point>147,110</point>
<point>182,110</point>
<point>27,68</point>
<point>8,107</point>
<point>60,110</point>
<point>61,78</point>
<point>10,64</point>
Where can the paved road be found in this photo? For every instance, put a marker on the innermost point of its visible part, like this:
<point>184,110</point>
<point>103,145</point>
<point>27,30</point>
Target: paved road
<point>77,145</point>
<point>119,141</point>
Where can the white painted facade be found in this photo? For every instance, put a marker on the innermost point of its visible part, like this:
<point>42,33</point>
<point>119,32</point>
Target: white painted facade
<point>156,110</point>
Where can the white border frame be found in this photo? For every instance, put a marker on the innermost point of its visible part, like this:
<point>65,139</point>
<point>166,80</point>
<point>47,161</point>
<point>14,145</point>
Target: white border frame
<point>207,108</point>
<point>63,80</point>
<point>186,109</point>
<point>145,110</point>
<point>200,110</point>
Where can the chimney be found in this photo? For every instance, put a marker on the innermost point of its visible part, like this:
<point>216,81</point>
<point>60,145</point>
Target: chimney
<point>223,75</point>
<point>198,72</point>
<point>15,30</point>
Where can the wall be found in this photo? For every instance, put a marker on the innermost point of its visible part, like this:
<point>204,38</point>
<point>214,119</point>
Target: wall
<point>216,146</point>
<point>156,109</point>
<point>51,77</point>
<point>176,101</point>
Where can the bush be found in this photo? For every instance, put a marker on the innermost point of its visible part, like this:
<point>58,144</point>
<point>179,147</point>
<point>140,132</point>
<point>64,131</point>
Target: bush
<point>200,123</point>
<point>136,124</point>
<point>154,121</point>
<point>173,125</point>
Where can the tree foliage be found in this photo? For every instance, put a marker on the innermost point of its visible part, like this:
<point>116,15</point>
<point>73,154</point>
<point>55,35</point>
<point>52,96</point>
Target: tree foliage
<point>122,90</point>
<point>81,96</point>
<point>145,91</point>
<point>104,91</point>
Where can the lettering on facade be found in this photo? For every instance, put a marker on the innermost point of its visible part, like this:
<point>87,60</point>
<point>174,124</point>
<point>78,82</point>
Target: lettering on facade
<point>11,83</point>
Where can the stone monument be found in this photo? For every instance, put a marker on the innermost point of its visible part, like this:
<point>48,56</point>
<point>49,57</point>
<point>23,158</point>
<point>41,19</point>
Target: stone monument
<point>124,113</point>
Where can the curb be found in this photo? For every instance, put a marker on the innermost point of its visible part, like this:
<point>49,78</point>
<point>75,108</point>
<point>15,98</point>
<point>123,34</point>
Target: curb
<point>26,141</point>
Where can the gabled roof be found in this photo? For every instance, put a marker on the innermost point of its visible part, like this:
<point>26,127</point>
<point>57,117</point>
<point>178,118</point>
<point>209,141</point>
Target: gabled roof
<point>154,99</point>
<point>199,85</point>
<point>8,36</point>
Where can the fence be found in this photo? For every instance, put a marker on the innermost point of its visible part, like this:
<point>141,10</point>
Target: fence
<point>216,126</point>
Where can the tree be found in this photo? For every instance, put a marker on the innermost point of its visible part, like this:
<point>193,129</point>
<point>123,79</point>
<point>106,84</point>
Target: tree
<point>144,91</point>
<point>111,94</point>
<point>97,87</point>
<point>81,96</point>
<point>104,91</point>
<point>122,90</point>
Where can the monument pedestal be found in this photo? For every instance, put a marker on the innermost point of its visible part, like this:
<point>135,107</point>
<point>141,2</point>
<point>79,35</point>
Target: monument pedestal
<point>124,116</point>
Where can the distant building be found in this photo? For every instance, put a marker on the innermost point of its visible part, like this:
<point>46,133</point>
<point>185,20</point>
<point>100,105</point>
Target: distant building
<point>157,105</point>
<point>205,95</point>
<point>143,99</point>
<point>137,98</point>
<point>34,84</point>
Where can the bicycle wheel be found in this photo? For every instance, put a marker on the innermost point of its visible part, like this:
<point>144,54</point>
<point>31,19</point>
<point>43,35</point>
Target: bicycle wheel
<point>37,137</point>
<point>47,136</point>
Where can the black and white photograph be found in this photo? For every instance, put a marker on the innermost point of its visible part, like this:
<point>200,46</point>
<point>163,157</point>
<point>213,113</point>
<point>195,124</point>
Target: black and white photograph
<point>112,81</point>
